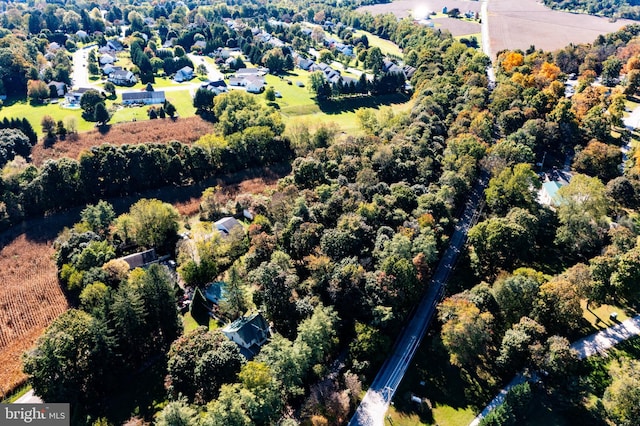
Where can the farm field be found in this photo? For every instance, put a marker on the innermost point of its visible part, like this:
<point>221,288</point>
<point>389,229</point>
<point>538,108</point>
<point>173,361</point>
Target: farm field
<point>30,298</point>
<point>519,24</point>
<point>420,8</point>
<point>185,130</point>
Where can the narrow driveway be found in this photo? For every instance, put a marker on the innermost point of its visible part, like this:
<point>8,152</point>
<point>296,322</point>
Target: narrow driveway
<point>597,343</point>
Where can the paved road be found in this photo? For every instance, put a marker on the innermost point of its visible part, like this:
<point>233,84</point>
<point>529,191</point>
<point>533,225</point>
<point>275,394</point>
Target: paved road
<point>486,41</point>
<point>376,401</point>
<point>597,343</point>
<point>80,72</point>
<point>28,398</point>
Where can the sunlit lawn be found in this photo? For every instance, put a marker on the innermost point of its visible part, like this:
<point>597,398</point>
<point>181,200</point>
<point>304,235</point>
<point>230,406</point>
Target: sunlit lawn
<point>386,46</point>
<point>478,37</point>
<point>599,317</point>
<point>35,113</point>
<point>191,324</point>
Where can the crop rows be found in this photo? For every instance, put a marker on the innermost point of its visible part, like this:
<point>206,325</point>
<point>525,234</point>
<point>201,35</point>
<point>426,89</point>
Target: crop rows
<point>30,299</point>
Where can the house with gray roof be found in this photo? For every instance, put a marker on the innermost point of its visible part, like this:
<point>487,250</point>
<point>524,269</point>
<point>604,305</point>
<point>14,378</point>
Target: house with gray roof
<point>143,97</point>
<point>141,259</point>
<point>249,333</point>
<point>227,224</point>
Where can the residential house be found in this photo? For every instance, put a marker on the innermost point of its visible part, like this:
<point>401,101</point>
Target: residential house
<point>105,58</point>
<point>548,194</point>
<point>143,97</point>
<point>184,74</point>
<point>226,225</point>
<point>73,97</point>
<point>391,68</point>
<point>123,78</point>
<point>216,87</point>
<point>61,88</point>
<point>141,259</point>
<point>115,45</point>
<point>82,34</point>
<point>109,68</point>
<point>251,79</point>
<point>249,333</point>
<point>304,63</point>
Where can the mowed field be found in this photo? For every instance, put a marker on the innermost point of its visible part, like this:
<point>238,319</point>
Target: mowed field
<point>520,24</point>
<point>185,130</point>
<point>30,298</point>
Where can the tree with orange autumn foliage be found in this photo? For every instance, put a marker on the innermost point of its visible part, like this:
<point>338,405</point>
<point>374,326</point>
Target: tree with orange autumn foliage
<point>512,60</point>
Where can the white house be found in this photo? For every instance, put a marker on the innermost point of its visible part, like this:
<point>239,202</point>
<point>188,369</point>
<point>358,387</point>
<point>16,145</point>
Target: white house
<point>184,74</point>
<point>105,58</point>
<point>249,333</point>
<point>143,97</point>
<point>123,78</point>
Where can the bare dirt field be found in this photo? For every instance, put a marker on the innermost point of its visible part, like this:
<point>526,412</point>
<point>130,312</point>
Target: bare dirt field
<point>404,8</point>
<point>185,130</point>
<point>30,298</point>
<point>419,9</point>
<point>522,23</point>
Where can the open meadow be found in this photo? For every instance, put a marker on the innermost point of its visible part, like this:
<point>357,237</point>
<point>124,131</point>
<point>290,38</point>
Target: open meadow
<point>30,298</point>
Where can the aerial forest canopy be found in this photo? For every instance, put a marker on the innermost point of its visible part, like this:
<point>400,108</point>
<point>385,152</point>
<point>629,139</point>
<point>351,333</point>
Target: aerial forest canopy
<point>341,249</point>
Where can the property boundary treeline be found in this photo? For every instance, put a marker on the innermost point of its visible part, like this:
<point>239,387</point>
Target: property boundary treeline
<point>110,171</point>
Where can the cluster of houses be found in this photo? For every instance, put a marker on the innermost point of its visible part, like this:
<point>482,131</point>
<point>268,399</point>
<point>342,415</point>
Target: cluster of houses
<point>249,332</point>
<point>252,79</point>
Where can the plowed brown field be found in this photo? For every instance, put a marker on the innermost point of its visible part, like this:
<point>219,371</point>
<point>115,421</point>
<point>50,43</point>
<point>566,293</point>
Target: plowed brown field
<point>30,298</point>
<point>185,130</point>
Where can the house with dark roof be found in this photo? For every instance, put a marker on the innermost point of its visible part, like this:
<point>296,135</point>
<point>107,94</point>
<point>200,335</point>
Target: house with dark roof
<point>249,333</point>
<point>141,259</point>
<point>144,97</point>
<point>226,225</point>
<point>115,45</point>
<point>217,87</point>
<point>74,96</point>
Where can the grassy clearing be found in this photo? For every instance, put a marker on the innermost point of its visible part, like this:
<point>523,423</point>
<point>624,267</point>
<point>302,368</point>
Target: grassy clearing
<point>478,37</point>
<point>599,317</point>
<point>191,324</point>
<point>453,395</point>
<point>35,113</point>
<point>386,46</point>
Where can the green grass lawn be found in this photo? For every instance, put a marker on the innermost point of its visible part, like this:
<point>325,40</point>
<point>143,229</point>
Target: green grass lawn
<point>386,46</point>
<point>191,324</point>
<point>478,37</point>
<point>451,393</point>
<point>599,317</point>
<point>35,113</point>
